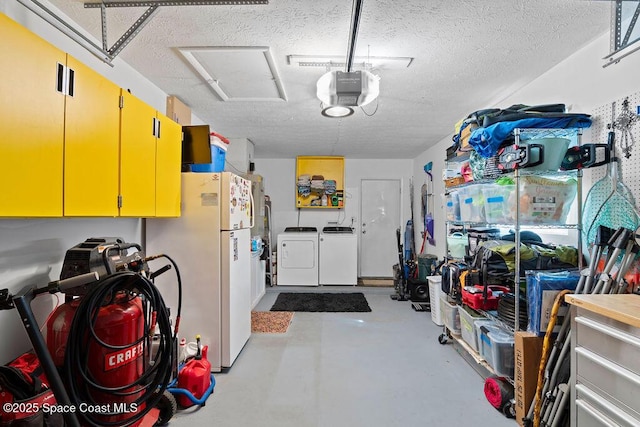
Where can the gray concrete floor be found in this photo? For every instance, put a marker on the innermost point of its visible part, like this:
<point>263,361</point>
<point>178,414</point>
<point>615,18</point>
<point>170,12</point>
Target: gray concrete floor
<point>383,368</point>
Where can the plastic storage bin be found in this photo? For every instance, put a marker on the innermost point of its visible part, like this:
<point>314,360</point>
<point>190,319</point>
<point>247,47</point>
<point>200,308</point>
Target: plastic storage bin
<point>435,293</point>
<point>457,244</point>
<point>468,317</point>
<point>477,332</point>
<point>484,343</point>
<point>542,289</point>
<point>450,315</point>
<point>502,351</point>
<point>218,157</point>
<point>545,200</point>
<point>499,203</point>
<point>471,203</point>
<point>553,151</point>
<point>452,206</point>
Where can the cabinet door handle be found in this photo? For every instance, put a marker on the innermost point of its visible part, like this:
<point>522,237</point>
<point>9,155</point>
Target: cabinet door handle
<point>60,78</point>
<point>158,128</point>
<point>153,129</point>
<point>71,81</point>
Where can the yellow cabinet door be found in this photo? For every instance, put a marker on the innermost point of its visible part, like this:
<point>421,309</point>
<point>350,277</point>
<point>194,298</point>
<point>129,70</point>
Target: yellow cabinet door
<point>91,145</point>
<point>168,168</point>
<point>32,123</point>
<point>138,128</point>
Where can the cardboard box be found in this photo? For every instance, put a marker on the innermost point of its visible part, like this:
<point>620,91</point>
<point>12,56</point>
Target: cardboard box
<point>528,352</point>
<point>178,111</point>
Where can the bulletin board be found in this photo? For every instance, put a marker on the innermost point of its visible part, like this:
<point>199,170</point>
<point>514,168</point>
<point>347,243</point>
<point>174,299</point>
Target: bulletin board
<point>319,182</point>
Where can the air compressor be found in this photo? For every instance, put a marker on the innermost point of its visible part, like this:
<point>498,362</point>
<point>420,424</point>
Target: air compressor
<point>100,337</point>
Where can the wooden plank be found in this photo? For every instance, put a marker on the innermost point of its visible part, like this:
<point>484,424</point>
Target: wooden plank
<point>624,308</point>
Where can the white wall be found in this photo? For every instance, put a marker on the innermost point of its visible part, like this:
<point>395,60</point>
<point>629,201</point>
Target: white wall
<point>280,185</point>
<point>580,82</point>
<point>32,250</point>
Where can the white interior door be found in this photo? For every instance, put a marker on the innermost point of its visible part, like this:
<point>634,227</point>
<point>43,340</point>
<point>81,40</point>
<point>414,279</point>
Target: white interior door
<point>380,207</point>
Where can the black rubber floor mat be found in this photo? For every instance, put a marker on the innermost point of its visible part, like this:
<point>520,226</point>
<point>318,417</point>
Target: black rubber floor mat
<point>321,302</point>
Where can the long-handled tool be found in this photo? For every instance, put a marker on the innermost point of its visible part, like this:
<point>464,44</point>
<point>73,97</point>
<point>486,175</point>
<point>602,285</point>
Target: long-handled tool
<point>401,285</point>
<point>427,215</point>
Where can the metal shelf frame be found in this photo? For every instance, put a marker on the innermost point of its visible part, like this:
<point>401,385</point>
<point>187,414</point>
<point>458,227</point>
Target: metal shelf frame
<point>517,174</point>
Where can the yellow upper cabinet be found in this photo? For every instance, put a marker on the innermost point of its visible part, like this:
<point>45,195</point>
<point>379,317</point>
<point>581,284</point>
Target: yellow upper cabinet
<point>168,168</point>
<point>91,150</point>
<point>32,124</point>
<point>138,128</point>
<point>150,161</point>
<point>75,144</point>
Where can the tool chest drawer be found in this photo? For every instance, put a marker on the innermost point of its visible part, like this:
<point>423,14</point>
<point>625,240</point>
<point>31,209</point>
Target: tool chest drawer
<point>609,340</point>
<point>592,409</point>
<point>616,383</point>
<point>606,371</point>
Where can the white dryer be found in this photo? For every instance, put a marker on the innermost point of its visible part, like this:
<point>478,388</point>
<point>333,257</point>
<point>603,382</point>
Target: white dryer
<point>338,256</point>
<point>298,257</point>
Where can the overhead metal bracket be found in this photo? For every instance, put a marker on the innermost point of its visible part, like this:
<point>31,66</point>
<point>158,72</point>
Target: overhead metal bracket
<point>104,53</point>
<point>620,45</point>
<point>128,35</point>
<point>153,6</point>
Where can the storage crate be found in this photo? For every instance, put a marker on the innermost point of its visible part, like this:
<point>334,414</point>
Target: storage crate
<point>435,293</point>
<point>457,244</point>
<point>452,206</point>
<point>477,332</point>
<point>545,200</point>
<point>218,156</point>
<point>484,343</point>
<point>450,315</point>
<point>499,207</point>
<point>471,203</point>
<point>502,353</point>
<point>452,182</point>
<point>468,317</point>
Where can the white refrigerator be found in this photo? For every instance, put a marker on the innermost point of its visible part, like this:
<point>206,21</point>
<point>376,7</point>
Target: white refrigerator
<point>211,244</point>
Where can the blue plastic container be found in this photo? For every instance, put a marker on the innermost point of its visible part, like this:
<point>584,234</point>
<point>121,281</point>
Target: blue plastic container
<point>218,155</point>
<point>542,289</point>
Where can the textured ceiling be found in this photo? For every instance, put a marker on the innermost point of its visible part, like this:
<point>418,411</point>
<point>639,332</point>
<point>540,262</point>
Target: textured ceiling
<point>468,55</point>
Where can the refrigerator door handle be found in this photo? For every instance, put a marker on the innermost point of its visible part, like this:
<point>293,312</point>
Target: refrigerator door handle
<point>252,220</point>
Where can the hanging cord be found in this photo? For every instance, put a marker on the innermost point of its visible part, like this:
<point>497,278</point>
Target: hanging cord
<point>146,391</point>
<point>374,111</point>
<point>179,283</point>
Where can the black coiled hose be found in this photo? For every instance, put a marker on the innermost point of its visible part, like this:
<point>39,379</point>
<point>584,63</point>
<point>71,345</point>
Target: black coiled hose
<point>507,310</point>
<point>147,390</point>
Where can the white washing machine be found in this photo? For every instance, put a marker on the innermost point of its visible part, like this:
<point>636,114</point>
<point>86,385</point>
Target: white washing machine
<point>338,256</point>
<point>298,257</point>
